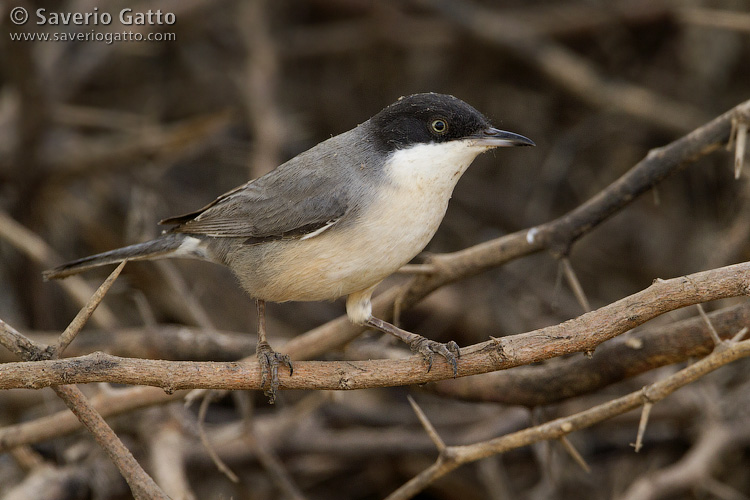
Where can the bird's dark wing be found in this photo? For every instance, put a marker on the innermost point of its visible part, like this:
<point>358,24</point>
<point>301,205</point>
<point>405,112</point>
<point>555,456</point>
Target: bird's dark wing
<point>277,205</point>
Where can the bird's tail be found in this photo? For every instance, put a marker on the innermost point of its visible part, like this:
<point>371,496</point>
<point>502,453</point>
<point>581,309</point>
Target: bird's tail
<point>154,249</point>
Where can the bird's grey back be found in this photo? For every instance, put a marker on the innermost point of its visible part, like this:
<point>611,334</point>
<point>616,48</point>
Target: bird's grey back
<point>322,184</point>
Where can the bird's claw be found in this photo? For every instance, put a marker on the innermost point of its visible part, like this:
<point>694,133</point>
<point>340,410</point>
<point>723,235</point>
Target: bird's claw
<point>269,361</point>
<point>426,347</point>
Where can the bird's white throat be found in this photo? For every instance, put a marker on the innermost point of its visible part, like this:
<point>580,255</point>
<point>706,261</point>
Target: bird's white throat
<point>432,169</point>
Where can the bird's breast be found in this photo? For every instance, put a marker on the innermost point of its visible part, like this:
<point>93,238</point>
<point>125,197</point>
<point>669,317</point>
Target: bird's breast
<point>350,257</point>
<point>385,233</point>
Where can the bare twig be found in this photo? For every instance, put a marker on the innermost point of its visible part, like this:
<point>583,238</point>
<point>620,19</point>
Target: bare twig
<point>575,285</point>
<point>562,426</point>
<point>614,361</point>
<point>740,335</point>
<point>740,147</point>
<point>714,334</point>
<point>207,444</point>
<point>431,431</point>
<point>84,314</point>
<point>142,485</point>
<point>647,405</point>
<point>574,453</point>
<point>18,344</point>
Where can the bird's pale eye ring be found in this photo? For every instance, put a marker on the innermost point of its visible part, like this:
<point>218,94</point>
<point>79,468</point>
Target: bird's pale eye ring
<point>439,126</point>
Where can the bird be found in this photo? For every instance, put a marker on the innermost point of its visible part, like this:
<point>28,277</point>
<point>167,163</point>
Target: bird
<point>335,220</point>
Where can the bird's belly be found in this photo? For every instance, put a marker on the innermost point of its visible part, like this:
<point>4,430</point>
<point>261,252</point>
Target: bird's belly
<point>347,258</point>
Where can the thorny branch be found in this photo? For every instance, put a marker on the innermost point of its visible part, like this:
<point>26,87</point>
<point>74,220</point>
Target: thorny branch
<point>577,335</point>
<point>454,456</point>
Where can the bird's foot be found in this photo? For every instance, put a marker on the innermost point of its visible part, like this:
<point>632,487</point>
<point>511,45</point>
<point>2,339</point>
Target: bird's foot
<point>269,361</point>
<point>427,348</point>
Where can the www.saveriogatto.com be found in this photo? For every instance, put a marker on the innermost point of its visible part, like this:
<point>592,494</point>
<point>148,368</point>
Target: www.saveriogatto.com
<point>95,25</point>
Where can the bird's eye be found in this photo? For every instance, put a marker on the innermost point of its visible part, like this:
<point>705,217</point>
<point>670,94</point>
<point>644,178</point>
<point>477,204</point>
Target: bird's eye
<point>439,126</point>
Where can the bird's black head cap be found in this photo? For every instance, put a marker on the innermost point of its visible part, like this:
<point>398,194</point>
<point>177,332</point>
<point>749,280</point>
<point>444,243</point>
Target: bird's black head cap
<point>426,118</point>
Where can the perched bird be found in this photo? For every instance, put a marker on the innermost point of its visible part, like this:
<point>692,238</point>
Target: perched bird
<point>335,220</point>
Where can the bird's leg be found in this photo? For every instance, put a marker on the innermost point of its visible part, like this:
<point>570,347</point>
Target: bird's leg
<point>422,345</point>
<point>268,358</point>
<point>359,310</point>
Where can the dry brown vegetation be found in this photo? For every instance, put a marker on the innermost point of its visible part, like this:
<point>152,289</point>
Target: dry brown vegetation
<point>569,273</point>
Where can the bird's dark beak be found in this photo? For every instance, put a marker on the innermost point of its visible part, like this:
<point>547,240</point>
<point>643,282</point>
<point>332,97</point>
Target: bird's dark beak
<point>495,138</point>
